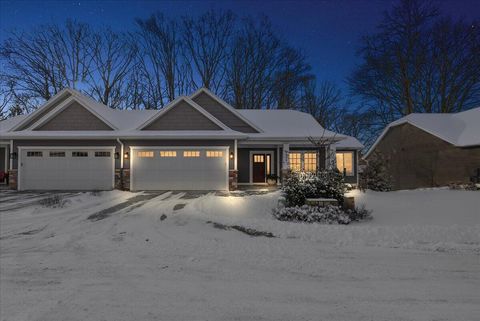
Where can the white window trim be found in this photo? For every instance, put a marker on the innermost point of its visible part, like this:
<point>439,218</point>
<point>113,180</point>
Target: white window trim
<point>353,161</point>
<point>302,157</point>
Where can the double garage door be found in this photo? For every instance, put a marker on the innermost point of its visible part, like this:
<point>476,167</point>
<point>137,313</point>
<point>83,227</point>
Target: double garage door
<point>66,168</point>
<point>179,168</point>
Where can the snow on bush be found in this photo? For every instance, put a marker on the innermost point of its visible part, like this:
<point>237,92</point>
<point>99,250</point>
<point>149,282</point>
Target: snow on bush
<point>312,214</point>
<point>375,176</point>
<point>299,186</point>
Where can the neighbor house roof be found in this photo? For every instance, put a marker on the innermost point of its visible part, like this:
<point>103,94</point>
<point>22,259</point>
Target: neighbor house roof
<point>459,129</point>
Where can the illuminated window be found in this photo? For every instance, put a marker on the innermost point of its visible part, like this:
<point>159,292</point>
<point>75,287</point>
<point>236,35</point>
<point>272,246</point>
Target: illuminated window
<point>295,160</point>
<point>345,163</point>
<point>191,153</point>
<point>168,153</point>
<point>102,154</point>
<point>258,158</point>
<point>214,153</point>
<point>310,162</point>
<point>57,154</point>
<point>268,164</point>
<point>34,154</point>
<point>79,154</point>
<point>143,154</point>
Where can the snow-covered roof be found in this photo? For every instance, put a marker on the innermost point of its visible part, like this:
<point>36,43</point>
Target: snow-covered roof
<point>285,124</point>
<point>349,143</point>
<point>278,125</point>
<point>459,129</point>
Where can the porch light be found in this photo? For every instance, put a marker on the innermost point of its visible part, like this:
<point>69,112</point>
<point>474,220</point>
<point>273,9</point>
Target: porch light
<point>126,155</point>
<point>117,155</point>
<point>231,155</point>
<point>13,155</point>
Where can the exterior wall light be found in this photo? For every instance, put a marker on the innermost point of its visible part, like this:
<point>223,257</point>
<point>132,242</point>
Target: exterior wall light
<point>117,155</point>
<point>126,155</point>
<point>231,155</point>
<point>13,155</point>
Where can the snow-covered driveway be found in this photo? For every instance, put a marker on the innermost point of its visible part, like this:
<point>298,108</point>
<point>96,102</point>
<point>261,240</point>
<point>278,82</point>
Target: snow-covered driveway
<point>156,258</point>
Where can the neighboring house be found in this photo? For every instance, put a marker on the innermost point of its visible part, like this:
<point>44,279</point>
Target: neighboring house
<point>195,143</point>
<point>428,150</point>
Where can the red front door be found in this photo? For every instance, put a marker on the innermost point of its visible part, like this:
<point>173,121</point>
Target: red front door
<point>258,168</point>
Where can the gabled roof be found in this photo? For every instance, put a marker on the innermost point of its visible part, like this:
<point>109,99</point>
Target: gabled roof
<point>349,143</point>
<point>96,109</point>
<point>175,103</point>
<point>234,111</point>
<point>459,129</point>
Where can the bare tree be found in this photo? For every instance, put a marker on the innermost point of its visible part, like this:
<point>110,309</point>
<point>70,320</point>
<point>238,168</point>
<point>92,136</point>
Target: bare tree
<point>113,56</point>
<point>293,71</point>
<point>161,58</point>
<point>254,60</point>
<point>324,103</point>
<point>419,62</point>
<point>207,40</point>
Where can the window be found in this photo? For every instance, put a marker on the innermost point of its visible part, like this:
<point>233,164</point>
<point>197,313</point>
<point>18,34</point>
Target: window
<point>57,154</point>
<point>295,160</point>
<point>214,153</point>
<point>310,162</point>
<point>345,163</point>
<point>191,153</point>
<point>168,153</point>
<point>148,154</point>
<point>79,154</point>
<point>258,158</point>
<point>102,154</point>
<point>269,170</point>
<point>34,154</point>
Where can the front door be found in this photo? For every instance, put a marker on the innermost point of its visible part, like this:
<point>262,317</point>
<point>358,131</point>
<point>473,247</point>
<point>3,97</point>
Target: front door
<point>258,168</point>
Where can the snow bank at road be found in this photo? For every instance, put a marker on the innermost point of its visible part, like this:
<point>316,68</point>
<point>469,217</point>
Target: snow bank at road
<point>438,219</point>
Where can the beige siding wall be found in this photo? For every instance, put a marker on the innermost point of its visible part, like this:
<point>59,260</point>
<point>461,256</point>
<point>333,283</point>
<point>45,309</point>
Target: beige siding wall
<point>223,114</point>
<point>419,159</point>
<point>75,117</point>
<point>183,117</point>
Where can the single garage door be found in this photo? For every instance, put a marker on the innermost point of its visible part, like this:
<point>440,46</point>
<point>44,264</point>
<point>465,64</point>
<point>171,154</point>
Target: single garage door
<point>185,168</point>
<point>66,169</point>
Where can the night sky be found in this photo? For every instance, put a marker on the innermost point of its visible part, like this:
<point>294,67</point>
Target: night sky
<point>327,31</point>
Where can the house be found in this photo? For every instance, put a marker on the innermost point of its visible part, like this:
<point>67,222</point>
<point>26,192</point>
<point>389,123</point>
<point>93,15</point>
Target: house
<point>427,150</point>
<point>198,142</point>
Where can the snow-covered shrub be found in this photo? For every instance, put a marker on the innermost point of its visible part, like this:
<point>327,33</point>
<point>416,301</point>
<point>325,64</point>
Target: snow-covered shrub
<point>359,214</point>
<point>298,186</point>
<point>312,214</point>
<point>375,175</point>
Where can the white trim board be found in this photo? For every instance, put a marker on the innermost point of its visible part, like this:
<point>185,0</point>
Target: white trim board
<point>174,103</point>
<point>226,105</point>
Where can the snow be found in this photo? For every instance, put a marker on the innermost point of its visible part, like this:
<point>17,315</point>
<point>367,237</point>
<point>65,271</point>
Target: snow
<point>56,264</point>
<point>460,129</point>
<point>349,143</point>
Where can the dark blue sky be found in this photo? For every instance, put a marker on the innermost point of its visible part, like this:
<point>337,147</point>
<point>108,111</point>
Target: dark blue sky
<point>328,31</point>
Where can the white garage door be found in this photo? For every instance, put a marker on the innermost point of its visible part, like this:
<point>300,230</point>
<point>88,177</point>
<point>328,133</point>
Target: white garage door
<point>185,168</point>
<point>66,169</point>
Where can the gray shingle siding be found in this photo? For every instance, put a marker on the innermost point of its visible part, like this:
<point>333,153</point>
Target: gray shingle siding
<point>223,114</point>
<point>75,117</point>
<point>183,117</point>
<point>45,111</point>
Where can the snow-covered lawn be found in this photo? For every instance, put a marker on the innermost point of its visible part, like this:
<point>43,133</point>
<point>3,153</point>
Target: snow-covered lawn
<point>157,258</point>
